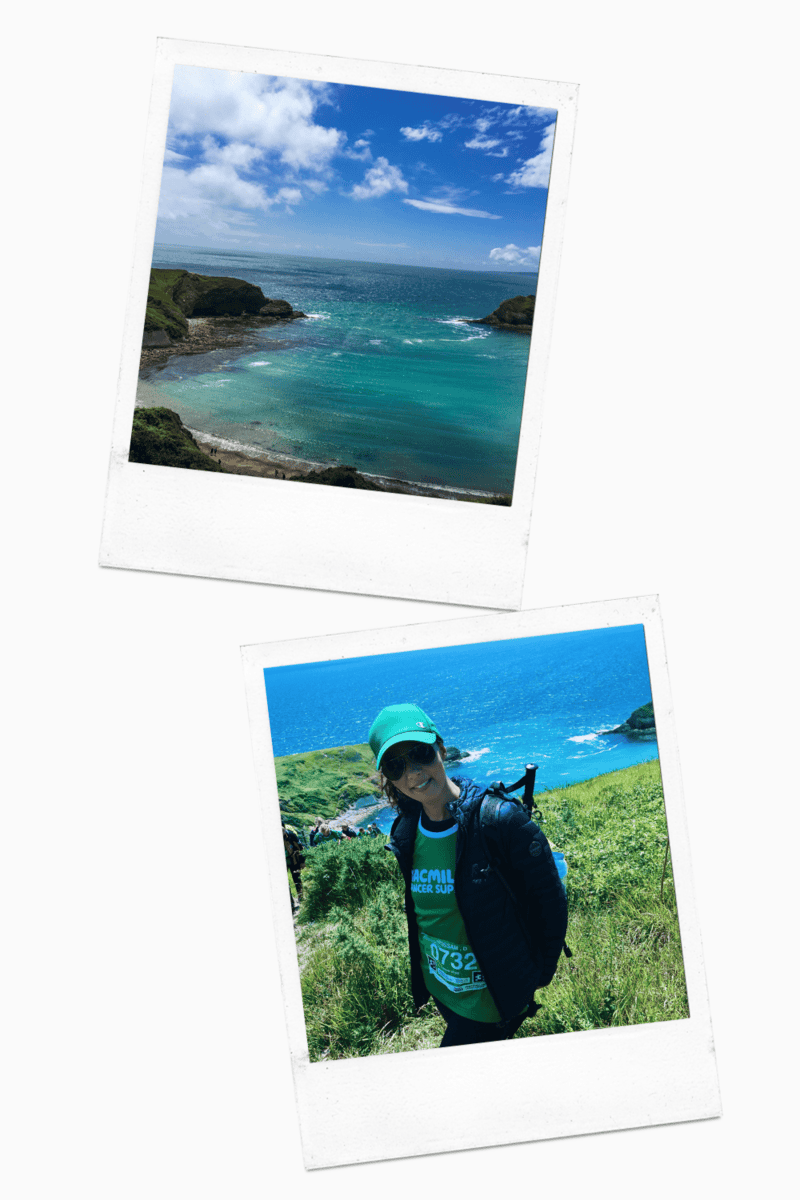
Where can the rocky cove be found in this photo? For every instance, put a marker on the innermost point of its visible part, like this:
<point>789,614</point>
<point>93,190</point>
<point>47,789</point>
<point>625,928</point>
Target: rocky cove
<point>193,314</point>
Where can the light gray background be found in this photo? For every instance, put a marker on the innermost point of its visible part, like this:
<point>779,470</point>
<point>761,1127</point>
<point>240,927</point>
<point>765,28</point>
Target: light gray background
<point>146,1053</point>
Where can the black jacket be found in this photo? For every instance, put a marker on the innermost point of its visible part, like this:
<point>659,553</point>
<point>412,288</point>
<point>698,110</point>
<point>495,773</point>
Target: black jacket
<point>516,944</point>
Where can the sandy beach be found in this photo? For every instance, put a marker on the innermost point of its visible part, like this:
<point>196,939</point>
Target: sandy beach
<point>275,465</point>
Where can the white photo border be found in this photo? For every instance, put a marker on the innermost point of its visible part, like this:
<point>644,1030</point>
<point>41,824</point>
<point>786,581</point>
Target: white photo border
<point>398,1105</point>
<point>281,532</point>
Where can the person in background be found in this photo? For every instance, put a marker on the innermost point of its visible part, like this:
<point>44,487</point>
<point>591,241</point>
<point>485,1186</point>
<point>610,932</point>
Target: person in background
<point>295,860</point>
<point>480,957</point>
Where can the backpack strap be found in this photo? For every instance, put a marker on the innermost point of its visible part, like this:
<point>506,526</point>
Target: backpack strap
<point>488,819</point>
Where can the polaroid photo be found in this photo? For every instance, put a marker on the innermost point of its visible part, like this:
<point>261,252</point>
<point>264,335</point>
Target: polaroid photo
<point>547,978</point>
<point>338,324</point>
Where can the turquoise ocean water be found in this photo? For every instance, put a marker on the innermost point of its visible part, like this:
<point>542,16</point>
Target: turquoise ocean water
<point>542,699</point>
<point>384,375</point>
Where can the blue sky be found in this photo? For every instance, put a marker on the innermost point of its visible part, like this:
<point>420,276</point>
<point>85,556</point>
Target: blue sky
<point>294,166</point>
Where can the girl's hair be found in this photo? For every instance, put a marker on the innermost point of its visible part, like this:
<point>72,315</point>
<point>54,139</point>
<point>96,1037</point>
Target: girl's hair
<point>395,798</point>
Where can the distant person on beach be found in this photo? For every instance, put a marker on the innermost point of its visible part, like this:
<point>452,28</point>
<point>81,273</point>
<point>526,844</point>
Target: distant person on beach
<point>478,956</point>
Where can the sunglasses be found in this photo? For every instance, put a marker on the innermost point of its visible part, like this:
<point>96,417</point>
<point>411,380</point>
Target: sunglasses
<point>420,755</point>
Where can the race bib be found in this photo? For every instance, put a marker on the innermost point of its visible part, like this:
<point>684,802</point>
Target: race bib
<point>453,965</point>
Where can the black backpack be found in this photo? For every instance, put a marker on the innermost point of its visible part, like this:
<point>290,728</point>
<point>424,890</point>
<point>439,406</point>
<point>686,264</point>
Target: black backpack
<point>496,794</point>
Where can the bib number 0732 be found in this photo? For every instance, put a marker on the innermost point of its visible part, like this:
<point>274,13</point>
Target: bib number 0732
<point>454,958</point>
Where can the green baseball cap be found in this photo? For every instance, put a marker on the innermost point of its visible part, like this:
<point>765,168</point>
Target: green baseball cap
<point>400,723</point>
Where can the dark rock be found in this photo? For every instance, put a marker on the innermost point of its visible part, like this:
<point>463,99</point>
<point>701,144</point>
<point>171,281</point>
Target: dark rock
<point>640,725</point>
<point>453,754</point>
<point>216,296</point>
<point>515,314</point>
<point>339,476</point>
<point>276,308</point>
<point>154,338</point>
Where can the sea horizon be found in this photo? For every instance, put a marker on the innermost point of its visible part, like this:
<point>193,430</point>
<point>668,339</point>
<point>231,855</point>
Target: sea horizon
<point>546,700</point>
<point>232,251</point>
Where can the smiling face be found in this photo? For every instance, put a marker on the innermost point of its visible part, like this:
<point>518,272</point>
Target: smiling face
<point>427,784</point>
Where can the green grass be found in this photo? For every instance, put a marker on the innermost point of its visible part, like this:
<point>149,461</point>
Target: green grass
<point>162,312</point>
<point>626,967</point>
<point>323,783</point>
<point>159,437</point>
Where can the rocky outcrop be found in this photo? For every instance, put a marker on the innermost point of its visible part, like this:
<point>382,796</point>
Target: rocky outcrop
<point>453,754</point>
<point>340,476</point>
<point>216,296</point>
<point>515,314</point>
<point>640,725</point>
<point>176,295</point>
<point>160,437</point>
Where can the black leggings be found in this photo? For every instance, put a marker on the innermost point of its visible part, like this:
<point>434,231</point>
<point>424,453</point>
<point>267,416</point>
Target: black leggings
<point>461,1031</point>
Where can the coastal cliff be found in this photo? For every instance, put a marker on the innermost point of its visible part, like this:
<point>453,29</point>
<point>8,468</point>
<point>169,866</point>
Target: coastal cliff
<point>640,725</point>
<point>192,314</point>
<point>174,295</point>
<point>337,784</point>
<point>160,438</point>
<point>325,783</point>
<point>515,314</point>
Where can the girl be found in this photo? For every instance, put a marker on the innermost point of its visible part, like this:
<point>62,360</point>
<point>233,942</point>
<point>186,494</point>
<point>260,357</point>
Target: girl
<point>486,911</point>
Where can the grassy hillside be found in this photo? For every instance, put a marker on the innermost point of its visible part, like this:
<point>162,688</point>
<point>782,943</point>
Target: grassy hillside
<point>162,311</point>
<point>626,967</point>
<point>323,783</point>
<point>160,437</point>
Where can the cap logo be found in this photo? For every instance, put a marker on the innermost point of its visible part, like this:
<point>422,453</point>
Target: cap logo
<point>420,725</point>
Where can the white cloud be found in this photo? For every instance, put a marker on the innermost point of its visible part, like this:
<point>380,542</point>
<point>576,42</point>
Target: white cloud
<point>289,195</point>
<point>234,154</point>
<point>479,142</point>
<point>360,150</point>
<point>276,115</point>
<point>421,133</point>
<point>173,156</point>
<point>520,255</point>
<point>379,180</point>
<point>441,206</point>
<point>208,187</point>
<point>535,172</point>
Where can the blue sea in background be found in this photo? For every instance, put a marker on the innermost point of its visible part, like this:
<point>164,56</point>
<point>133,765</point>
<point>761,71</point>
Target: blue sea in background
<point>384,375</point>
<point>540,699</point>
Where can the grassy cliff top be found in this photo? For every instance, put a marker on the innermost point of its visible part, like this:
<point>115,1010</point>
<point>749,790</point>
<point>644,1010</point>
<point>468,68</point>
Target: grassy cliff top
<point>160,437</point>
<point>323,783</point>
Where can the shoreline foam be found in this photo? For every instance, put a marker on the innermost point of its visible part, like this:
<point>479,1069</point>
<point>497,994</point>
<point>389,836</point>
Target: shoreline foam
<point>242,459</point>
